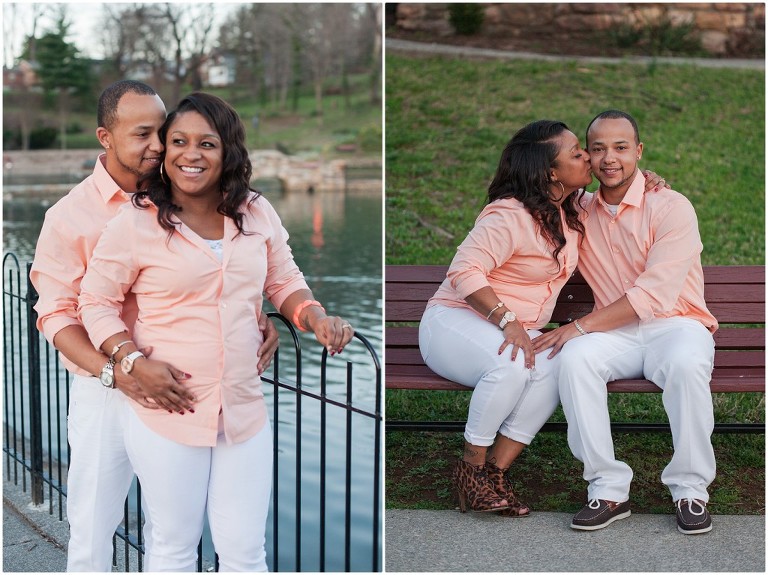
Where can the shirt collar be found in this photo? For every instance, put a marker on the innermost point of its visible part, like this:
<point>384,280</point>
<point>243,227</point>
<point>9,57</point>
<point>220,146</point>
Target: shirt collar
<point>634,195</point>
<point>106,186</point>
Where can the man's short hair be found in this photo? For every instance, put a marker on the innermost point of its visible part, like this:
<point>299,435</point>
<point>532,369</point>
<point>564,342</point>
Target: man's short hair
<point>616,115</point>
<point>110,98</point>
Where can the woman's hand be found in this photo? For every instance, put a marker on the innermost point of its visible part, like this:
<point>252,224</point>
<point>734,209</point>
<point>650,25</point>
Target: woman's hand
<point>653,181</point>
<point>333,333</point>
<point>130,387</point>
<point>160,382</point>
<point>555,339</point>
<point>516,336</point>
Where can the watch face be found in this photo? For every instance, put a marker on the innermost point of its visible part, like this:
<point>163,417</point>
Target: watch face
<point>107,375</point>
<point>126,364</point>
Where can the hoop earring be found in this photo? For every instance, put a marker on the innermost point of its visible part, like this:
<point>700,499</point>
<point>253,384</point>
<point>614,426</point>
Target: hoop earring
<point>562,195</point>
<point>162,179</point>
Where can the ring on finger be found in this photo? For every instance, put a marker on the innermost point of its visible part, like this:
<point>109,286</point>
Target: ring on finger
<point>345,326</point>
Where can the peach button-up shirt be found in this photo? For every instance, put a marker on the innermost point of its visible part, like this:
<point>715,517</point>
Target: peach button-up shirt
<point>198,313</point>
<point>650,251</point>
<point>504,250</point>
<point>71,229</point>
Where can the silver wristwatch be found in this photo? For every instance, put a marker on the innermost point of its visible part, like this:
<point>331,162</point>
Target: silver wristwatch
<point>506,318</point>
<point>107,375</point>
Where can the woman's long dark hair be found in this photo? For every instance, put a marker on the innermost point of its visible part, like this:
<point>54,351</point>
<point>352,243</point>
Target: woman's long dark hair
<point>236,165</point>
<point>524,174</point>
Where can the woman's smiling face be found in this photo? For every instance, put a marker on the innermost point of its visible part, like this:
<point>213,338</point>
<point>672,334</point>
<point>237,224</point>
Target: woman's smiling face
<point>194,156</point>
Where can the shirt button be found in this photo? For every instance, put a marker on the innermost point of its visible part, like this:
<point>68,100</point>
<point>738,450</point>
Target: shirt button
<point>616,250</point>
<point>224,305</point>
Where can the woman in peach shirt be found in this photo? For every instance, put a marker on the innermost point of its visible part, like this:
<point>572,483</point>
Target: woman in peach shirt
<point>198,248</point>
<point>501,288</point>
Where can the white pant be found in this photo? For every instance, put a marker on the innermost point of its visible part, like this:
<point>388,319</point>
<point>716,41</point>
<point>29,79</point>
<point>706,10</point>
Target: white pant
<point>509,399</point>
<point>178,481</point>
<point>677,354</point>
<point>100,473</point>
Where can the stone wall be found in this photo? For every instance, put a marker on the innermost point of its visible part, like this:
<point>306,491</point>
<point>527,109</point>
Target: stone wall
<point>736,29</point>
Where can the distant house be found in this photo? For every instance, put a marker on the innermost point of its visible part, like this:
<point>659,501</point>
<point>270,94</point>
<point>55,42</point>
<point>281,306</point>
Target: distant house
<point>21,77</point>
<point>220,69</point>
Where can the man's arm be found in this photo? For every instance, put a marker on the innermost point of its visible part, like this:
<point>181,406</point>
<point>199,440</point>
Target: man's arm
<point>74,344</point>
<point>269,346</point>
<point>613,316</point>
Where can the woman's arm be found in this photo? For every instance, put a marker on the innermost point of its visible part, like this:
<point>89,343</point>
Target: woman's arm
<point>306,313</point>
<point>158,380</point>
<point>112,271</point>
<point>485,302</point>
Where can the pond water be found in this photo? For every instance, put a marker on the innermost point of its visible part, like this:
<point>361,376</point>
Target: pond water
<point>337,242</point>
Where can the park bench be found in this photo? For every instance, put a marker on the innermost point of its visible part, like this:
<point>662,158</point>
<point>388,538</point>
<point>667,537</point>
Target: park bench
<point>735,295</point>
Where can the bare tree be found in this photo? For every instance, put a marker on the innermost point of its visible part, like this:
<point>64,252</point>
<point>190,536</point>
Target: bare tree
<point>190,28</point>
<point>319,42</point>
<point>375,20</point>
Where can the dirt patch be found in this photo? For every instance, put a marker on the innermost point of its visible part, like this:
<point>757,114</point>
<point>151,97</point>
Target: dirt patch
<point>421,482</point>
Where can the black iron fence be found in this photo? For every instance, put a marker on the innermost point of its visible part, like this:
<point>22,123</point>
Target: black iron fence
<point>322,530</point>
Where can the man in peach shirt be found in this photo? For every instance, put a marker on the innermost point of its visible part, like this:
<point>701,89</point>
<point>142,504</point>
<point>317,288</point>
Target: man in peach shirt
<point>129,116</point>
<point>642,257</point>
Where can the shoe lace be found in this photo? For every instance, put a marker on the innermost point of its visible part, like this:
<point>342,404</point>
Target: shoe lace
<point>690,506</point>
<point>596,503</point>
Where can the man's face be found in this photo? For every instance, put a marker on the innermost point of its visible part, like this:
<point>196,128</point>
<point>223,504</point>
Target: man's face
<point>613,152</point>
<point>134,143</point>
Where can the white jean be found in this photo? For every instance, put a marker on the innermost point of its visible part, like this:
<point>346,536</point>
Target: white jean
<point>180,481</point>
<point>508,399</point>
<point>677,354</point>
<point>100,474</point>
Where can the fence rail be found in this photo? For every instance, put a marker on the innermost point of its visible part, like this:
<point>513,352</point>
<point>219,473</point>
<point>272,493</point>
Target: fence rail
<point>36,400</point>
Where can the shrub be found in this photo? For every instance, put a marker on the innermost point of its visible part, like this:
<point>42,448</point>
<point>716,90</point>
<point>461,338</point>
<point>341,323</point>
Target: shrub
<point>369,138</point>
<point>43,138</point>
<point>466,19</point>
<point>662,38</point>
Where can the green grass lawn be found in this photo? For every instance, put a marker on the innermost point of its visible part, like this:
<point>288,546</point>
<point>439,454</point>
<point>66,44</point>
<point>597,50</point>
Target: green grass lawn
<point>446,123</point>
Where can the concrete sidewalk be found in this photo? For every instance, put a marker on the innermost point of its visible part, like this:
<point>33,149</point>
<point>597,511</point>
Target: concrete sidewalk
<point>393,44</point>
<point>34,540</point>
<point>453,541</point>
<point>435,541</point>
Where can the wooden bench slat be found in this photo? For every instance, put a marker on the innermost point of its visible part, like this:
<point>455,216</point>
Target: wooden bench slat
<point>746,338</point>
<point>712,274</point>
<point>580,293</point>
<point>723,359</point>
<point>748,383</point>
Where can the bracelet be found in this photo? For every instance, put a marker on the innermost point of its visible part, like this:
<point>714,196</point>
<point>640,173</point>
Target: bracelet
<point>300,308</point>
<point>490,313</point>
<point>582,331</point>
<point>117,348</point>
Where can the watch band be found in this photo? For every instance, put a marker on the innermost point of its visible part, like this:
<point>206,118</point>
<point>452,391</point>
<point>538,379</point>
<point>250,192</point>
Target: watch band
<point>126,364</point>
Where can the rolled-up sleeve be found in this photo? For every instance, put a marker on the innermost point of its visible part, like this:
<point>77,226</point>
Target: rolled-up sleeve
<point>488,245</point>
<point>283,275</point>
<point>58,268</point>
<point>675,249</point>
<point>111,273</point>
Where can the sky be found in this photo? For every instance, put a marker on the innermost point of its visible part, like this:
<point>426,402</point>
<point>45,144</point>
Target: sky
<point>84,18</point>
